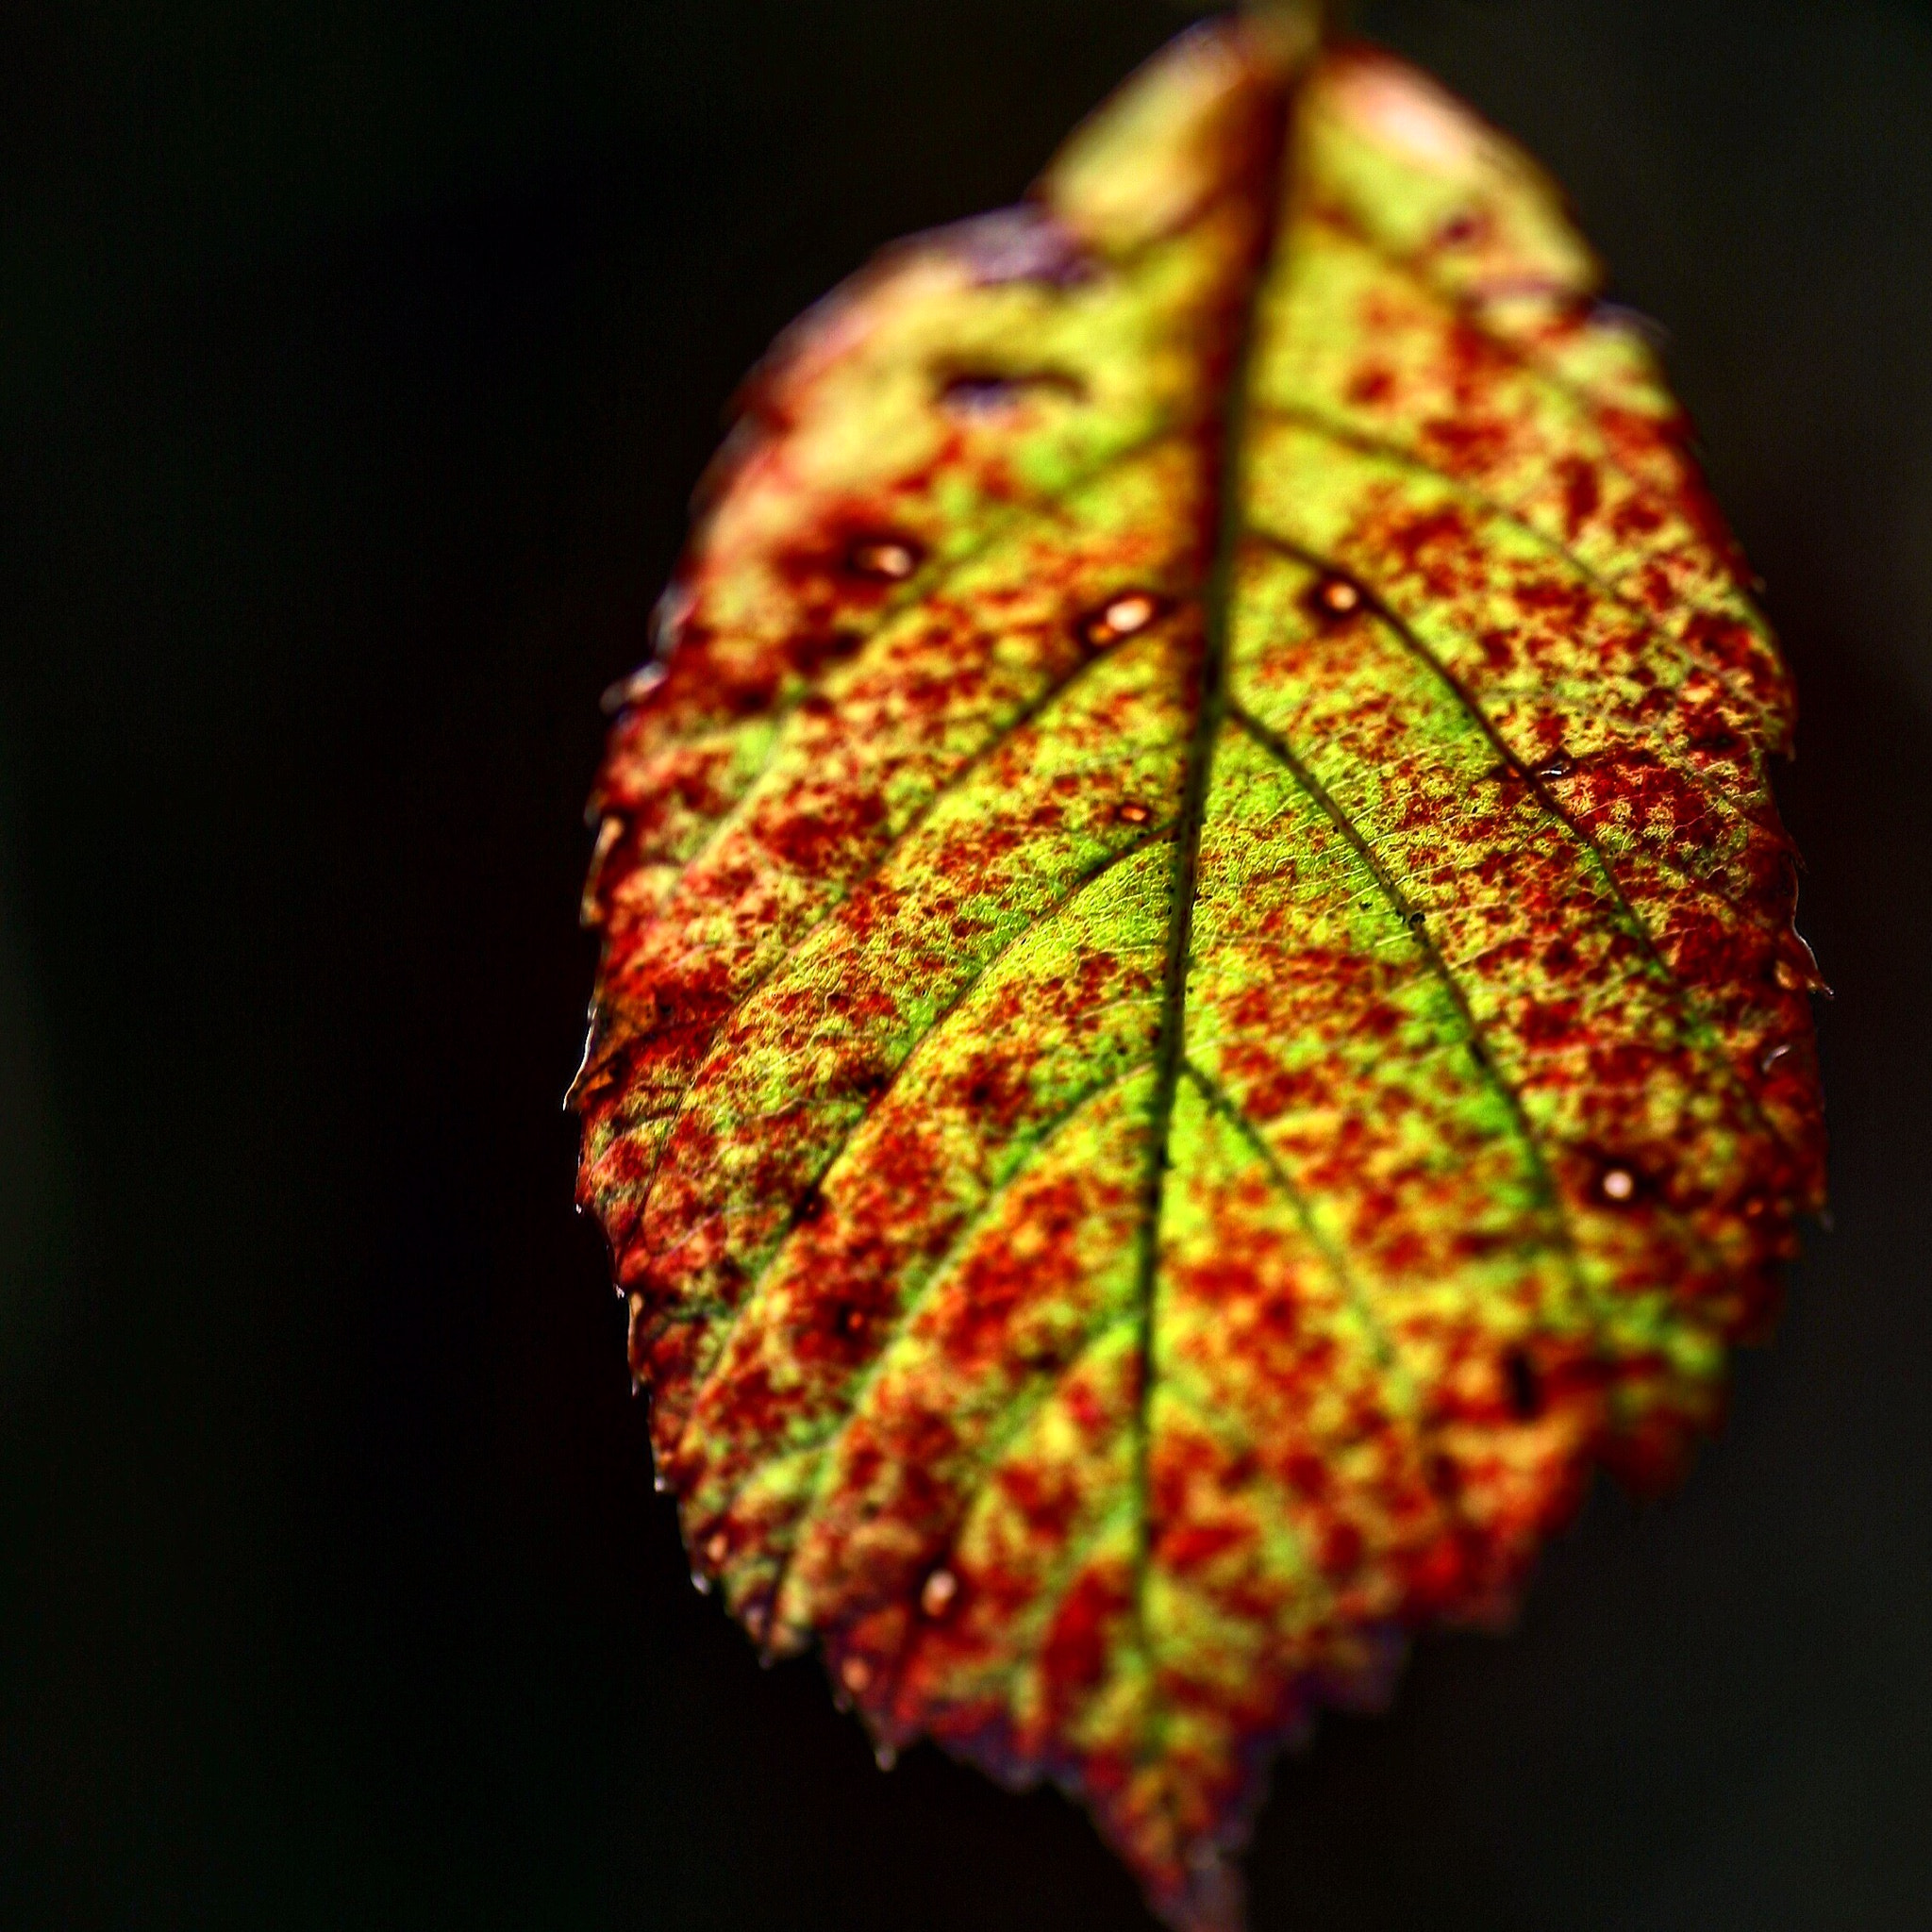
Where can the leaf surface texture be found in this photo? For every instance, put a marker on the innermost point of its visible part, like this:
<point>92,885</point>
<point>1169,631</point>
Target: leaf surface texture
<point>1199,1008</point>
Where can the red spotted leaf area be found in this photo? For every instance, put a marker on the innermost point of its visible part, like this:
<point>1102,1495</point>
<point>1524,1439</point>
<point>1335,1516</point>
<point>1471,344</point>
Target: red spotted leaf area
<point>1199,1009</point>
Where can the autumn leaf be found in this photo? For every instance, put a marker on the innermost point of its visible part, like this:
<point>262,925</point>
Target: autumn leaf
<point>1198,1010</point>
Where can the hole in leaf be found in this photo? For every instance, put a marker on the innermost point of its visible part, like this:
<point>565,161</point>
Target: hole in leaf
<point>1525,1389</point>
<point>993,391</point>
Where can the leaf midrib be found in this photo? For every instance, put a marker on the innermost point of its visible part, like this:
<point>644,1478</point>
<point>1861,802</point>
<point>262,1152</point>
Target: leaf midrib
<point>1217,618</point>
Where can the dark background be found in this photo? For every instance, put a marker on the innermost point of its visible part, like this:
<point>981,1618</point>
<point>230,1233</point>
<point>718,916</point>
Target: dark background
<point>356,360</point>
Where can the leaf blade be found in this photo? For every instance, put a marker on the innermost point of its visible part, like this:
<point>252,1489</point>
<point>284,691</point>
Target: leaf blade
<point>1195,936</point>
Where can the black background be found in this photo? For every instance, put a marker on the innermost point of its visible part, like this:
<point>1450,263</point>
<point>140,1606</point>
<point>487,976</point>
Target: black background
<point>355,362</point>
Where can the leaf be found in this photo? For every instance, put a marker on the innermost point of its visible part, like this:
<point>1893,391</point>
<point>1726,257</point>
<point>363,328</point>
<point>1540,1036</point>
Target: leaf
<point>1199,1008</point>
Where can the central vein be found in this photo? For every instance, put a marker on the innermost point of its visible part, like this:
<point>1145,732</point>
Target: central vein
<point>1228,510</point>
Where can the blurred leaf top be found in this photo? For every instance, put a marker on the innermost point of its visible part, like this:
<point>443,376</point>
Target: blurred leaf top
<point>1199,1008</point>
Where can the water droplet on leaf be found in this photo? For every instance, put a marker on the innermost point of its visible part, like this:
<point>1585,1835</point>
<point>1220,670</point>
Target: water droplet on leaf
<point>1337,598</point>
<point>854,1673</point>
<point>1132,814</point>
<point>1134,610</point>
<point>717,1548</point>
<point>1617,1184</point>
<point>937,1596</point>
<point>890,559</point>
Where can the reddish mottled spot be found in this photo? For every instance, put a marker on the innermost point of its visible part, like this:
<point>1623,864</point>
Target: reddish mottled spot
<point>1074,1653</point>
<point>1582,493</point>
<point>1342,1548</point>
<point>1371,385</point>
<point>811,652</point>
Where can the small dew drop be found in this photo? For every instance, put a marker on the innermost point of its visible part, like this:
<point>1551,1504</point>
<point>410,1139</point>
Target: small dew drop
<point>854,1673</point>
<point>637,1386</point>
<point>1132,814</point>
<point>1617,1184</point>
<point>889,559</point>
<point>1771,1055</point>
<point>1337,596</point>
<point>717,1548</point>
<point>700,1583</point>
<point>1134,610</point>
<point>1557,767</point>
<point>885,1757</point>
<point>658,1483</point>
<point>941,1586</point>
